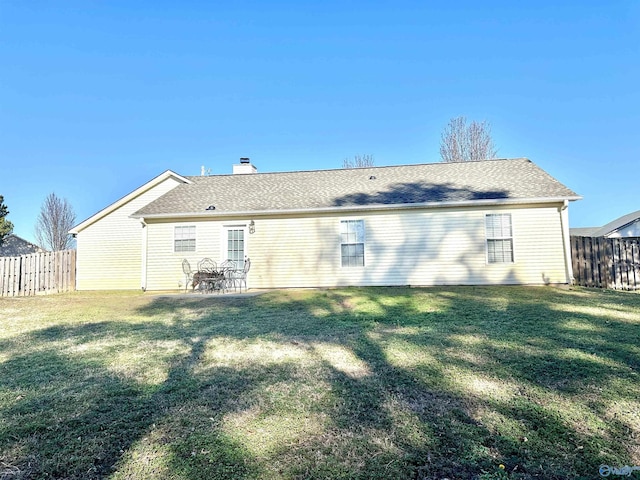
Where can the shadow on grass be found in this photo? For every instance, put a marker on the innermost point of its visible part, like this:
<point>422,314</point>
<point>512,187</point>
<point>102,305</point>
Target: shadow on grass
<point>75,419</point>
<point>415,406</point>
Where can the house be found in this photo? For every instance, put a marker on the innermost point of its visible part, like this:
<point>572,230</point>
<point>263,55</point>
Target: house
<point>623,227</point>
<point>489,222</point>
<point>15,246</point>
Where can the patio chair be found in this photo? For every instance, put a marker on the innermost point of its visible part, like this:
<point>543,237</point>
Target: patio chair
<point>240,276</point>
<point>188,273</point>
<point>207,265</point>
<point>226,268</point>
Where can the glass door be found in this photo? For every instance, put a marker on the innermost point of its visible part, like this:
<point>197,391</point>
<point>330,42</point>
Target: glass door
<point>235,245</point>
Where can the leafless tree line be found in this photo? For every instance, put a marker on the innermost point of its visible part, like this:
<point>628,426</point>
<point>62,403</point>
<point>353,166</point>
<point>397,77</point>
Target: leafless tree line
<point>358,161</point>
<point>462,142</point>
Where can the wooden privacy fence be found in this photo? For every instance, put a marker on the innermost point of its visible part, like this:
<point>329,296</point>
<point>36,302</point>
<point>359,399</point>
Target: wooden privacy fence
<point>606,262</point>
<point>36,273</point>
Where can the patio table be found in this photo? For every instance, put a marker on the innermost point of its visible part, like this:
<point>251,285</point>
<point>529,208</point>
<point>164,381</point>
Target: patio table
<point>207,281</point>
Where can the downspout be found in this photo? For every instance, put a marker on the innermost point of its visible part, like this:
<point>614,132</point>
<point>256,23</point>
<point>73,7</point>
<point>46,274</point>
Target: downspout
<point>564,223</point>
<point>143,263</point>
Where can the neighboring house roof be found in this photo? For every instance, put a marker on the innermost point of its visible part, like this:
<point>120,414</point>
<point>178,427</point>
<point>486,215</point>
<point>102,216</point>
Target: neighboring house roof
<point>15,246</point>
<point>584,231</point>
<point>491,181</point>
<point>610,228</point>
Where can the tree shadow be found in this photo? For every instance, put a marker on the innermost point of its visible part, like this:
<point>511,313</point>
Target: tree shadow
<point>418,192</point>
<point>408,408</point>
<point>561,365</point>
<point>81,419</point>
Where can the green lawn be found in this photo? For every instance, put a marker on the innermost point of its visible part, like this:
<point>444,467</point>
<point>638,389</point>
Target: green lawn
<point>392,383</point>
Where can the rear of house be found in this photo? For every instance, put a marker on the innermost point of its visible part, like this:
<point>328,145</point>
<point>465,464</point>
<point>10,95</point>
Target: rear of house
<point>492,222</point>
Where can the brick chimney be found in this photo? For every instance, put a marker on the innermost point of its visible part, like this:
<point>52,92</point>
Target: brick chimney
<point>244,167</point>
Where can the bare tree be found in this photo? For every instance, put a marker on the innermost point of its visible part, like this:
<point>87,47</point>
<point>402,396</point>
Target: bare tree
<point>6,227</point>
<point>55,220</point>
<point>467,143</point>
<point>358,161</point>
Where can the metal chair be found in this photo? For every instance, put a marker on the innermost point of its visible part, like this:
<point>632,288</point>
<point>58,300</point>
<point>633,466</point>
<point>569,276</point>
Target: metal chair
<point>240,276</point>
<point>203,279</point>
<point>188,273</point>
<point>207,265</point>
<point>226,268</point>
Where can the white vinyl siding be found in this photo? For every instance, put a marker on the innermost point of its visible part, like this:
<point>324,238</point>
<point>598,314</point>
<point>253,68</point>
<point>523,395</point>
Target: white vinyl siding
<point>164,271</point>
<point>164,265</point>
<point>418,247</point>
<point>110,250</point>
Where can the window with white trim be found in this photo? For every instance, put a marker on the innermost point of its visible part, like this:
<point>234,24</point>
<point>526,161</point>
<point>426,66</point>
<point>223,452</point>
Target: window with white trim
<point>184,239</point>
<point>499,238</point>
<point>352,243</point>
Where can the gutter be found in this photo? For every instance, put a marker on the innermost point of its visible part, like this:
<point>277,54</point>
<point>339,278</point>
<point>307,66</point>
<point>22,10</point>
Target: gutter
<point>566,240</point>
<point>143,269</point>
<point>360,208</point>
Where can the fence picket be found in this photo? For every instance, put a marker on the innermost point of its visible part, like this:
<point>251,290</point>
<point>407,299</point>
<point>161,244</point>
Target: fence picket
<point>582,261</point>
<point>617,265</point>
<point>2,275</point>
<point>633,260</point>
<point>624,266</point>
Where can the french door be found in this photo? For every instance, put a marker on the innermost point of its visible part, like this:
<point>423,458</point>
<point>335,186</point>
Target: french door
<point>234,244</point>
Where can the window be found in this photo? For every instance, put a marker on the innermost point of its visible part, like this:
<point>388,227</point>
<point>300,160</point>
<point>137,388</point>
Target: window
<point>499,238</point>
<point>184,239</point>
<point>352,243</point>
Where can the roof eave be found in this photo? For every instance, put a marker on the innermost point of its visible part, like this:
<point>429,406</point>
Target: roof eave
<point>122,201</point>
<point>359,208</point>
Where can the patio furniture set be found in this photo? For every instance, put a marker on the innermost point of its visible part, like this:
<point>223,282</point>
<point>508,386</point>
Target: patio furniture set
<point>213,277</point>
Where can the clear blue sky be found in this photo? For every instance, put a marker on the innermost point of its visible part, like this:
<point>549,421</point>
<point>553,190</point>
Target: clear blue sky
<point>97,98</point>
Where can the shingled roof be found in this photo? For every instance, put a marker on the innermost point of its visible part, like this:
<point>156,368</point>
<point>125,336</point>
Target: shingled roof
<point>490,181</point>
<point>618,224</point>
<point>14,246</point>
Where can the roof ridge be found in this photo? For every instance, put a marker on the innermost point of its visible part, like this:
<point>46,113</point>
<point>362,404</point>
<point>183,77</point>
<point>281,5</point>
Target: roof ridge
<point>373,167</point>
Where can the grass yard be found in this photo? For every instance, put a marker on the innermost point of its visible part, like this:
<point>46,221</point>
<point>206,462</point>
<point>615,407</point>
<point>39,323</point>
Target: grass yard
<point>393,383</point>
